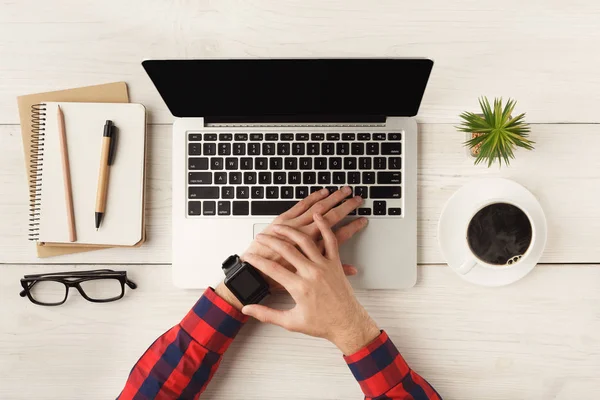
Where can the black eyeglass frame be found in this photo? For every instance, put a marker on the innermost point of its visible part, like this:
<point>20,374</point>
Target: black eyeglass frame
<point>73,279</point>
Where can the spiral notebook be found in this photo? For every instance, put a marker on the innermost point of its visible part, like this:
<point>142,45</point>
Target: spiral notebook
<point>84,122</point>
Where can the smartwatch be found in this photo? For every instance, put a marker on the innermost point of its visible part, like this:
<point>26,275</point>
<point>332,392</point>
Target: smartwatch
<point>244,281</point>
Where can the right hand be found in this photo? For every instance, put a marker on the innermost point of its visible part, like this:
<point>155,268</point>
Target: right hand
<point>325,303</point>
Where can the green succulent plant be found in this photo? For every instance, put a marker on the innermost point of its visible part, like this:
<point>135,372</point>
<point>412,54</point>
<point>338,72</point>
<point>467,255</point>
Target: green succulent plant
<point>500,133</point>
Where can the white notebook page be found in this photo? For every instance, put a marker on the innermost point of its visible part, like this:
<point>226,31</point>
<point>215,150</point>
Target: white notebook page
<point>84,122</point>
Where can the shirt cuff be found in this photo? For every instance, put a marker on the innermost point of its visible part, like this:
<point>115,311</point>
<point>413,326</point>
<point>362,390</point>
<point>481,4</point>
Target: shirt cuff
<point>378,367</point>
<point>213,322</point>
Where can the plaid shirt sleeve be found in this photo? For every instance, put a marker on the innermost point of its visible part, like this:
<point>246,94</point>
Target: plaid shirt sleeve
<point>180,363</point>
<point>383,374</point>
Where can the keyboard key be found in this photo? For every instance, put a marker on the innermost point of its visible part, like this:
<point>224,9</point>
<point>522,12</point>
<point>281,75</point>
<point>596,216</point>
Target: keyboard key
<point>209,208</point>
<point>333,136</point>
<point>250,178</point>
<point>315,188</point>
<point>364,163</point>
<point>388,177</point>
<point>301,192</point>
<point>242,192</point>
<point>261,163</point>
<point>283,149</point>
<point>368,178</point>
<point>298,149</point>
<point>239,149</point>
<point>216,163</point>
<point>379,163</point>
<point>394,211</point>
<point>225,137</point>
<point>302,136</point>
<point>220,178</point>
<point>357,149</point>
<point>339,178</point>
<point>353,212</point>
<point>332,189</point>
<point>379,207</point>
<point>320,163</point>
<point>287,192</point>
<point>264,178</point>
<point>253,149</point>
<point>379,136</point>
<point>309,178</point>
<point>385,192</point>
<point>194,207</point>
<point>272,192</point>
<point>291,163</point>
<point>391,148</point>
<point>395,163</point>
<point>317,136</point>
<point>348,136</point>
<point>197,163</point>
<point>227,192</point>
<point>324,178</point>
<point>287,136</point>
<point>195,137</point>
<point>209,149</point>
<point>271,137</point>
<point>328,149</point>
<point>275,163</point>
<point>246,163</point>
<point>305,163</point>
<point>373,149</point>
<point>349,162</point>
<point>199,178</point>
<point>361,191</point>
<point>353,178</point>
<point>235,178</point>
<point>364,136</point>
<point>210,137</point>
<point>335,163</point>
<point>231,163</point>
<point>257,192</point>
<point>241,137</point>
<point>279,178</point>
<point>241,208</point>
<point>313,149</point>
<point>194,149</point>
<point>394,136</point>
<point>224,207</point>
<point>364,211</point>
<point>256,137</point>
<point>203,192</point>
<point>294,178</point>
<point>270,207</point>
<point>342,149</point>
<point>268,149</point>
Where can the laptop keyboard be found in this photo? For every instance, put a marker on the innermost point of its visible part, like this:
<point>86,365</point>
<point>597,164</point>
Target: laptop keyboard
<point>264,174</point>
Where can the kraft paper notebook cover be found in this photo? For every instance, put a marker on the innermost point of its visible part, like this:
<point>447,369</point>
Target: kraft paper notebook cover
<point>111,92</point>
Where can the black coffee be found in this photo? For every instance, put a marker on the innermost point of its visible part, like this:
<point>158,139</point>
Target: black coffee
<point>499,234</point>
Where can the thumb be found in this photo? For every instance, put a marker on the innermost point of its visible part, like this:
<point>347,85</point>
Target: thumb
<point>349,270</point>
<point>266,314</point>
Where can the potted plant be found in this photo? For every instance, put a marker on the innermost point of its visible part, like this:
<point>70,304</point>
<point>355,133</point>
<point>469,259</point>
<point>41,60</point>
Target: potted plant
<point>495,134</point>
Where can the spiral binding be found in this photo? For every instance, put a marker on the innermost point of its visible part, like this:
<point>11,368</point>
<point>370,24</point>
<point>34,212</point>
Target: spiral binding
<point>36,158</point>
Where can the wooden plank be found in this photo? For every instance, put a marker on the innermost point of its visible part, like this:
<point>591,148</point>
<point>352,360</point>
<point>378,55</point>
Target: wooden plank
<point>537,52</point>
<point>563,172</point>
<point>536,339</point>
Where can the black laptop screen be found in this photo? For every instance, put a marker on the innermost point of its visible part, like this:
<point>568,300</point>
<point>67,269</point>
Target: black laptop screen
<point>291,89</point>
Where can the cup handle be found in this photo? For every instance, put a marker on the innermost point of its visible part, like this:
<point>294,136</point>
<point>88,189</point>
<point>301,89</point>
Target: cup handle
<point>466,267</point>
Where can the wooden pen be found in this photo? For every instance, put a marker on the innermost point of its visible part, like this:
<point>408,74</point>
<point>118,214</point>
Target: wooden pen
<point>106,160</point>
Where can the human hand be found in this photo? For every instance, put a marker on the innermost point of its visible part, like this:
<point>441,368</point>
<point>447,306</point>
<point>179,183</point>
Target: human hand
<point>325,303</point>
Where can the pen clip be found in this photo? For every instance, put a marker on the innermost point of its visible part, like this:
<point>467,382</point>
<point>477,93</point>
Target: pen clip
<point>113,145</point>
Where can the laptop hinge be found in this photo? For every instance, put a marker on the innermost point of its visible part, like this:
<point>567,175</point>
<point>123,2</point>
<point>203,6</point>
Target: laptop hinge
<point>295,119</point>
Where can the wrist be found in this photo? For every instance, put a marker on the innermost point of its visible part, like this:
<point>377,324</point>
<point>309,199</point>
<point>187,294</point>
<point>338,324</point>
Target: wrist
<point>349,341</point>
<point>223,292</point>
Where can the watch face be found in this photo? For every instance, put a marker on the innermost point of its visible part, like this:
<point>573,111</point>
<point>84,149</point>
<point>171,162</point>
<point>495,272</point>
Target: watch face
<point>245,283</point>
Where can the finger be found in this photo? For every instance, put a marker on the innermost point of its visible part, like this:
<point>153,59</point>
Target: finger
<point>346,232</point>
<point>305,242</point>
<point>273,270</point>
<point>349,270</point>
<point>268,315</point>
<point>285,249</point>
<point>304,205</point>
<point>329,239</point>
<point>338,213</point>
<point>323,206</point>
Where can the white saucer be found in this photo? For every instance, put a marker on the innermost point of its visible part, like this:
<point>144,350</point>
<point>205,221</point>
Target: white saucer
<point>461,207</point>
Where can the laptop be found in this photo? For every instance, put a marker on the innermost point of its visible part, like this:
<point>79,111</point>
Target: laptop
<point>254,136</point>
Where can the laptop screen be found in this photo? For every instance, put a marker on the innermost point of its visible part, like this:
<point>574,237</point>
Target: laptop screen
<point>291,89</point>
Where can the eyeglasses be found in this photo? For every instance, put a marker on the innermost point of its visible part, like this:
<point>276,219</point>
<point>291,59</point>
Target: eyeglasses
<point>98,286</point>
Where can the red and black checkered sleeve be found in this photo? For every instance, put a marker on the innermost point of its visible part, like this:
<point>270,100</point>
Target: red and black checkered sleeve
<point>383,374</point>
<point>180,363</point>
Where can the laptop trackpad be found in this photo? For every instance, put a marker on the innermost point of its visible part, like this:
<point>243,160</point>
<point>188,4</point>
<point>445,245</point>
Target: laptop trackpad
<point>258,228</point>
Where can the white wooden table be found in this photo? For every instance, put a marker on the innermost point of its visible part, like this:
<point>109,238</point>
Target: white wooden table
<point>536,339</point>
